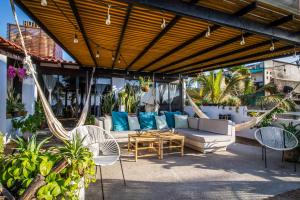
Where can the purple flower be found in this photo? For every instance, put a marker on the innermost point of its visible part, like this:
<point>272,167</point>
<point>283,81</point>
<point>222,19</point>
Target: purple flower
<point>11,72</point>
<point>21,73</point>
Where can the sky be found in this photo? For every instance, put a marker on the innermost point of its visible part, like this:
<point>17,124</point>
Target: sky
<point>6,16</point>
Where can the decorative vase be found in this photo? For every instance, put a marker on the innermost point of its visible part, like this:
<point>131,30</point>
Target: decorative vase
<point>145,88</point>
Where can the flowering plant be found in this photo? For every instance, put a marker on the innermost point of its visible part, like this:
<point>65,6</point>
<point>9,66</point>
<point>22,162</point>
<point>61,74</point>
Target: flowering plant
<point>11,72</point>
<point>21,73</point>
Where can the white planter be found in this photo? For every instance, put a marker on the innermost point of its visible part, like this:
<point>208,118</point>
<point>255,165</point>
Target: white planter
<point>122,108</point>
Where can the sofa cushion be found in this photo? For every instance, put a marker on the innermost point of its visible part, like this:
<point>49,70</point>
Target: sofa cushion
<point>214,125</point>
<point>204,136</point>
<point>147,120</point>
<point>170,118</point>
<point>193,122</point>
<point>121,134</point>
<point>120,121</point>
<point>133,123</point>
<point>181,121</point>
<point>161,122</point>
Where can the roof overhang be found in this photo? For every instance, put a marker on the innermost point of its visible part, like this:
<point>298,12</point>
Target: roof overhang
<point>135,41</point>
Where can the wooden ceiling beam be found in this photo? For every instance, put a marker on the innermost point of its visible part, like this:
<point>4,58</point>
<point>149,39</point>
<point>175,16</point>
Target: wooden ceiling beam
<point>47,31</point>
<point>153,42</point>
<point>217,17</point>
<point>82,30</point>
<point>285,48</point>
<point>247,48</point>
<point>121,38</point>
<point>282,20</point>
<point>274,23</point>
<point>239,13</point>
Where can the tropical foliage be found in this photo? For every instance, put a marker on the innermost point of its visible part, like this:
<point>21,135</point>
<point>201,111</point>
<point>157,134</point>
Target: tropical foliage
<point>109,103</point>
<point>90,120</point>
<point>133,98</point>
<point>15,107</point>
<point>145,83</point>
<point>31,123</point>
<point>20,169</point>
<point>1,145</point>
<point>225,89</point>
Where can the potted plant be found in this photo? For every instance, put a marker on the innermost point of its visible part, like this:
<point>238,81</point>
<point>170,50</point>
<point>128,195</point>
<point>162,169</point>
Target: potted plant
<point>108,104</point>
<point>292,155</point>
<point>121,100</point>
<point>15,107</point>
<point>145,83</point>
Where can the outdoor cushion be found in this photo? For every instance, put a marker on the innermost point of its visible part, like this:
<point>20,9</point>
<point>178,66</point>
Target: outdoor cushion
<point>181,121</point>
<point>193,122</point>
<point>170,118</point>
<point>133,123</point>
<point>120,121</point>
<point>204,136</point>
<point>214,125</point>
<point>161,122</point>
<point>147,120</point>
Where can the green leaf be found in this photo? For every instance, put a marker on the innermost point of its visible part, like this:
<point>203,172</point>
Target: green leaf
<point>10,182</point>
<point>45,167</point>
<point>16,172</point>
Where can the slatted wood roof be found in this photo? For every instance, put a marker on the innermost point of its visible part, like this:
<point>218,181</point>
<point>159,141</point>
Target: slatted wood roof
<point>135,40</point>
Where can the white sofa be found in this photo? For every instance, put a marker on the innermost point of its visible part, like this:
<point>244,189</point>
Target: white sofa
<point>204,135</point>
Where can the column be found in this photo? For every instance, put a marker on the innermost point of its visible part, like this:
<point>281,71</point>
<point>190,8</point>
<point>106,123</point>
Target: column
<point>3,91</point>
<point>29,94</point>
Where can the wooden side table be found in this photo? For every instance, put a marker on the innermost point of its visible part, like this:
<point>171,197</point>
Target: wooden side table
<point>137,143</point>
<point>174,142</point>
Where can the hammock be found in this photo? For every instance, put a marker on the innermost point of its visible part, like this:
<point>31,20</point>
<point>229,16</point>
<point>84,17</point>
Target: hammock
<point>244,125</point>
<point>54,125</point>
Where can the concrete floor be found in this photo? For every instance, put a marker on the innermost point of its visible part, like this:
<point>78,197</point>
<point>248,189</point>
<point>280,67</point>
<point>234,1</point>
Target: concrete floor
<point>238,173</point>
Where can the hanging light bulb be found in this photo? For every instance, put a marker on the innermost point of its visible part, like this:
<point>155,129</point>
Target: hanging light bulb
<point>75,38</point>
<point>295,53</point>
<point>163,23</point>
<point>207,34</point>
<point>112,58</point>
<point>44,2</point>
<point>97,54</point>
<point>119,60</point>
<point>107,20</point>
<point>242,42</point>
<point>272,47</point>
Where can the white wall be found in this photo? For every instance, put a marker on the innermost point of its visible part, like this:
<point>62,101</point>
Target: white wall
<point>3,92</point>
<point>29,94</point>
<point>238,115</point>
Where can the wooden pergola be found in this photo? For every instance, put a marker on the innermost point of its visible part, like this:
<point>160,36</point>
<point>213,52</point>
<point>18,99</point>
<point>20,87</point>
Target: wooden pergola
<point>198,35</point>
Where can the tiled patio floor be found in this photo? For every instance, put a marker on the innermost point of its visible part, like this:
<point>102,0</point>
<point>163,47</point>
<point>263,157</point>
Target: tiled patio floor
<point>238,173</point>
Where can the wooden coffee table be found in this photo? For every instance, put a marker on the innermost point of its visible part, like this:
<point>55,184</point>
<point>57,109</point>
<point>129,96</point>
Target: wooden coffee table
<point>145,142</point>
<point>155,142</point>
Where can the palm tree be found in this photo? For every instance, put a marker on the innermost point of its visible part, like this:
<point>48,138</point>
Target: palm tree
<point>217,88</point>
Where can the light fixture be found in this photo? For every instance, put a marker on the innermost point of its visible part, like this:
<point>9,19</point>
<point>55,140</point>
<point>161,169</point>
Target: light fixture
<point>75,38</point>
<point>295,53</point>
<point>44,2</point>
<point>107,20</point>
<point>119,60</point>
<point>97,54</point>
<point>242,42</point>
<point>272,47</point>
<point>113,58</point>
<point>207,34</point>
<point>163,23</point>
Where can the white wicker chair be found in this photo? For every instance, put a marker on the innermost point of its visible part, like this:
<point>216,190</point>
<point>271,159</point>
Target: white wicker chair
<point>277,139</point>
<point>103,145</point>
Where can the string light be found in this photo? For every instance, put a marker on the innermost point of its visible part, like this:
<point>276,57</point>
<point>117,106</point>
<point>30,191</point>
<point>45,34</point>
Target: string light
<point>119,60</point>
<point>163,23</point>
<point>272,47</point>
<point>44,2</point>
<point>295,53</point>
<point>75,38</point>
<point>107,20</point>
<point>242,42</point>
<point>97,54</point>
<point>207,34</point>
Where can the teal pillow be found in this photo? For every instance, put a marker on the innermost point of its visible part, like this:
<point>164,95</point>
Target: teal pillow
<point>170,118</point>
<point>147,120</point>
<point>181,121</point>
<point>120,121</point>
<point>161,122</point>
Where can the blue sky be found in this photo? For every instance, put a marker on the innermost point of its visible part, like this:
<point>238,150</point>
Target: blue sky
<point>6,16</point>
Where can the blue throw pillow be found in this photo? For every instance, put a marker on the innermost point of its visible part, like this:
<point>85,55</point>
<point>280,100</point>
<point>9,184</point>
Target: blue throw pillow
<point>147,120</point>
<point>170,118</point>
<point>120,121</point>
